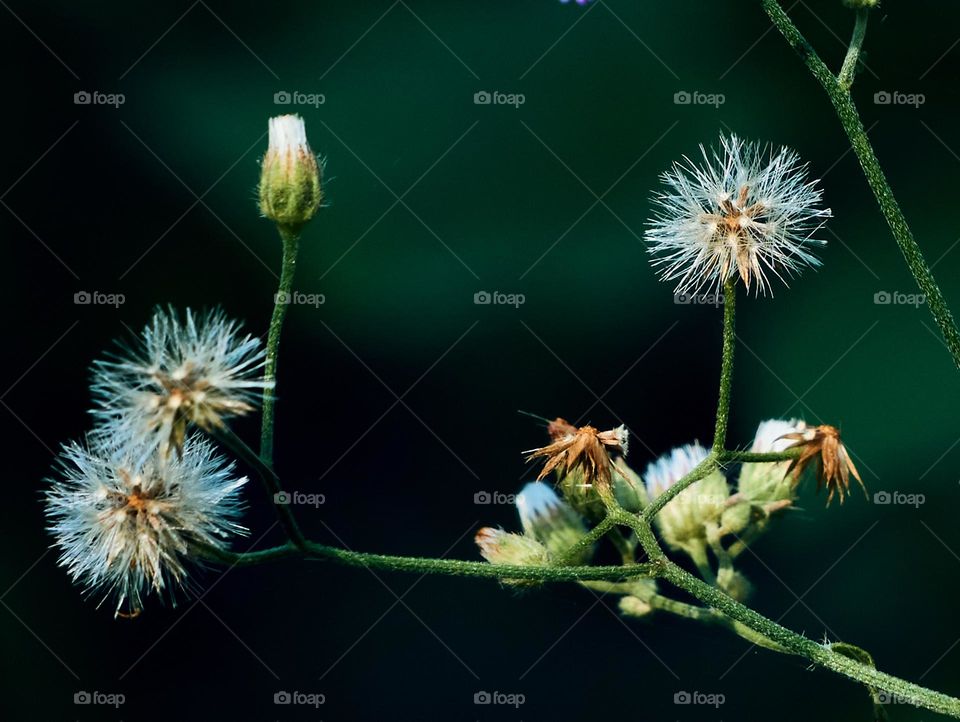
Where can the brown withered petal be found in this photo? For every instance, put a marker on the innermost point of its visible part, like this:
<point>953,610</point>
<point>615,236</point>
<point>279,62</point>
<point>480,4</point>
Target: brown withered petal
<point>583,449</point>
<point>560,428</point>
<point>822,445</point>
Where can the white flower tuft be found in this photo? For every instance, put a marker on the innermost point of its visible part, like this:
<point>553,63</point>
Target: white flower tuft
<point>126,524</point>
<point>287,134</point>
<point>670,468</point>
<point>747,210</point>
<point>770,432</point>
<point>682,522</point>
<point>196,371</point>
<point>769,482</point>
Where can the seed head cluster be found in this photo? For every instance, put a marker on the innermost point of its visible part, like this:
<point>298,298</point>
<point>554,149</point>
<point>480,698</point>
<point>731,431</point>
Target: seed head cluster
<point>142,495</point>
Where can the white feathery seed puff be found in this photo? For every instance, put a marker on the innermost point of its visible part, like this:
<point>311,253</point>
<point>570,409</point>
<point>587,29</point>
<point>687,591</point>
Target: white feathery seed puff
<point>199,371</point>
<point>747,210</point>
<point>125,524</point>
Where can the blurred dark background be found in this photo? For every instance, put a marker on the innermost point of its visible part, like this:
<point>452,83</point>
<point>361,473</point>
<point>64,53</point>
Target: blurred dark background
<point>154,199</point>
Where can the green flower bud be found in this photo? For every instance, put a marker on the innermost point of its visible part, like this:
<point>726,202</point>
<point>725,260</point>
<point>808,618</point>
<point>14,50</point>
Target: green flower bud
<point>634,607</point>
<point>501,547</point>
<point>551,521</point>
<point>628,487</point>
<point>290,178</point>
<point>735,584</point>
<point>767,482</point>
<point>582,496</point>
<point>736,518</point>
<point>682,522</point>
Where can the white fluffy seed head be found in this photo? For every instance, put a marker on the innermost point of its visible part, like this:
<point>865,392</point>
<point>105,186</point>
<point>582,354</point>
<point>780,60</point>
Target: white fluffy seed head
<point>745,210</point>
<point>199,370</point>
<point>127,522</point>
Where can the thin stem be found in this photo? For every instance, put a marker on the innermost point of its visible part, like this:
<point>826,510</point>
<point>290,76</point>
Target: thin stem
<point>754,457</point>
<point>291,243</point>
<point>271,482</point>
<point>817,653</point>
<point>773,635</point>
<point>850,120</point>
<point>249,559</point>
<point>698,553</point>
<point>726,364</point>
<point>849,70</point>
<point>682,609</point>
<point>447,567</point>
<point>587,541</point>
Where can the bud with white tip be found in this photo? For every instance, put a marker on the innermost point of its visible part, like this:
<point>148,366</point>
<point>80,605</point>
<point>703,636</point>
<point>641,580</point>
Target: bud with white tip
<point>682,522</point>
<point>766,482</point>
<point>291,178</point>
<point>502,547</point>
<point>551,521</point>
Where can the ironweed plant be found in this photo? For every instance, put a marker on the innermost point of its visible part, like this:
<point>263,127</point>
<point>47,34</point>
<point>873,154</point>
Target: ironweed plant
<point>149,491</point>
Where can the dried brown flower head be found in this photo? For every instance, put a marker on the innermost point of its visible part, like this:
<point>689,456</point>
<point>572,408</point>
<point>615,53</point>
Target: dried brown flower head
<point>584,449</point>
<point>821,444</point>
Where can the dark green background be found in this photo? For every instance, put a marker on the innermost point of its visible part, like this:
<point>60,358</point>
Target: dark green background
<point>595,322</point>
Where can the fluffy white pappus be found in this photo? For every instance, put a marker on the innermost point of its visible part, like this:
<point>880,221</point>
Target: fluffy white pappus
<point>671,467</point>
<point>745,210</point>
<point>287,134</point>
<point>769,435</point>
<point>125,526</point>
<point>199,370</point>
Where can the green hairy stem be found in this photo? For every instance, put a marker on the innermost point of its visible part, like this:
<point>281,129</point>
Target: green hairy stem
<point>291,243</point>
<point>838,89</point>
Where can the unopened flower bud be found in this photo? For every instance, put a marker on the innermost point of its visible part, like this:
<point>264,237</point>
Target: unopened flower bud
<point>736,518</point>
<point>682,521</point>
<point>735,584</point>
<point>551,521</point>
<point>628,487</point>
<point>290,178</point>
<point>582,496</point>
<point>767,482</point>
<point>501,547</point>
<point>634,607</point>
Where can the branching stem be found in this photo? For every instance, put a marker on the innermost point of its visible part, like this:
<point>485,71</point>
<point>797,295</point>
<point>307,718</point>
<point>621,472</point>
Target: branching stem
<point>838,90</point>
